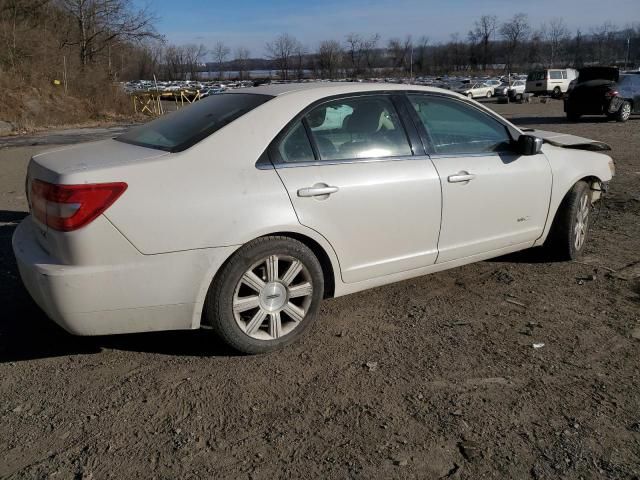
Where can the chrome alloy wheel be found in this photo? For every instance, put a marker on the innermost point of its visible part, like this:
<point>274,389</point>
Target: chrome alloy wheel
<point>582,222</point>
<point>626,110</point>
<point>272,297</point>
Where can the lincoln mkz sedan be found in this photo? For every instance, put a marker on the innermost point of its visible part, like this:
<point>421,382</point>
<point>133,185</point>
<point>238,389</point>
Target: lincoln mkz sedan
<point>244,210</point>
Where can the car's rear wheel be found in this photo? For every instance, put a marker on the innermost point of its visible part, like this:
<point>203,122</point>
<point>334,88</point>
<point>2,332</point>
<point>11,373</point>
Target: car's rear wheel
<point>266,296</point>
<point>469,95</point>
<point>624,112</point>
<point>557,93</point>
<point>489,94</point>
<point>568,235</point>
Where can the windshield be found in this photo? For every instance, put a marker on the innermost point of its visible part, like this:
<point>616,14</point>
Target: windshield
<point>186,127</point>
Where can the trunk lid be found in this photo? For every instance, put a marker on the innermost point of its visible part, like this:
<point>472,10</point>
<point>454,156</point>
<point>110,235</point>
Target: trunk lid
<point>93,162</point>
<point>65,164</point>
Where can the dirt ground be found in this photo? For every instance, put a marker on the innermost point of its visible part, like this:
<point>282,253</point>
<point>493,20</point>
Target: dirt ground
<point>435,377</point>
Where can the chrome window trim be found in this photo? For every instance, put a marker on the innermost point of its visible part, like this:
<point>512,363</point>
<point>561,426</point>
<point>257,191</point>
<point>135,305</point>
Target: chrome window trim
<point>272,147</point>
<point>321,163</point>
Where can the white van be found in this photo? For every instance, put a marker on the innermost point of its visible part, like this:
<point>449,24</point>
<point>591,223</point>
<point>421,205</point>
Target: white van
<point>554,81</point>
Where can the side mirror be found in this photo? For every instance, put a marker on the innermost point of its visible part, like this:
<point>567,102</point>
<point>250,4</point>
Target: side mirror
<point>529,145</point>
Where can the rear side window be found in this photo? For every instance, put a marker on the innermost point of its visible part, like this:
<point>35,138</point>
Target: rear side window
<point>180,130</point>
<point>534,76</point>
<point>457,129</point>
<point>295,146</point>
<point>555,75</point>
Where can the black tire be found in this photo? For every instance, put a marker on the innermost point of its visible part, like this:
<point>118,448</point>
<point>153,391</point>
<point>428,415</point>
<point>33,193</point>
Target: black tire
<point>218,310</point>
<point>470,95</point>
<point>623,113</point>
<point>562,241</point>
<point>557,93</point>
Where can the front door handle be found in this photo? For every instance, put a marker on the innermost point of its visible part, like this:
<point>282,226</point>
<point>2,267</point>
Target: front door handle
<point>318,190</point>
<point>461,177</point>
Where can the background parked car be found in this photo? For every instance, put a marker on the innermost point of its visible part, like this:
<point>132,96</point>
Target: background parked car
<point>518,87</point>
<point>476,90</point>
<point>551,81</point>
<point>604,91</point>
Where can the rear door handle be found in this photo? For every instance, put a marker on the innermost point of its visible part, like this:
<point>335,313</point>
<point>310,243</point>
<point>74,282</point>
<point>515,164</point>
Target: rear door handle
<point>317,191</point>
<point>461,177</point>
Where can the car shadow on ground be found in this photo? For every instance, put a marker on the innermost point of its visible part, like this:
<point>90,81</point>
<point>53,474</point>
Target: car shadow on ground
<point>531,255</point>
<point>26,333</point>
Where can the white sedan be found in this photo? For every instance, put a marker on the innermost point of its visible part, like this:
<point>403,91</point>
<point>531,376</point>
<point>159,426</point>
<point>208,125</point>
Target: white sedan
<point>518,87</point>
<point>246,209</point>
<point>477,90</point>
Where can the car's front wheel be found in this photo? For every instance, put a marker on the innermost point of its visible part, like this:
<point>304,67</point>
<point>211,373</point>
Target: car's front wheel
<point>266,296</point>
<point>568,235</point>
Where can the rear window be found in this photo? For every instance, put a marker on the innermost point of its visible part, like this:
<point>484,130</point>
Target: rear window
<point>186,127</point>
<point>533,76</point>
<point>598,73</point>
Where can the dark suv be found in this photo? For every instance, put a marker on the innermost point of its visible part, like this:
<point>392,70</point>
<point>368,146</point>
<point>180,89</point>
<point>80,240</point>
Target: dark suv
<point>603,91</point>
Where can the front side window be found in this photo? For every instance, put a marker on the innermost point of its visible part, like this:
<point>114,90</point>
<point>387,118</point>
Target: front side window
<point>455,128</point>
<point>362,127</point>
<point>179,130</point>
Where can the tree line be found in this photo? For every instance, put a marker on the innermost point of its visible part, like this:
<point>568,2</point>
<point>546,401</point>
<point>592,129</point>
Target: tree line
<point>84,41</point>
<point>490,45</point>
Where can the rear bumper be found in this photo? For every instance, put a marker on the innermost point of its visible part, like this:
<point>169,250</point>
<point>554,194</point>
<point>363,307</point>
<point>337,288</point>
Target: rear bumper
<point>155,292</point>
<point>591,107</point>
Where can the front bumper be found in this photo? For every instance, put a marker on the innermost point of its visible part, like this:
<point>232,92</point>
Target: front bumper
<point>155,292</point>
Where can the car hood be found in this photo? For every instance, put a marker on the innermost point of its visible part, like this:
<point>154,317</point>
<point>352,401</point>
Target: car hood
<point>569,141</point>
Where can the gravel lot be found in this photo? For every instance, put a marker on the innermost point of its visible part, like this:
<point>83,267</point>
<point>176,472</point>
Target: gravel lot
<point>431,378</point>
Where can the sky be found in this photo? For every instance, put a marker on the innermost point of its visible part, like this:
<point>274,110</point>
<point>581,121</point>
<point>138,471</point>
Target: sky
<point>252,23</point>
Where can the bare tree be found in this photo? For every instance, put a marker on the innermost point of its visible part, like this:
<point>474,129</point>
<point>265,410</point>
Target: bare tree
<point>193,55</point>
<point>329,58</point>
<point>555,33</point>
<point>421,54</point>
<point>220,54</point>
<point>604,40</point>
<point>242,57</point>
<point>400,53</point>
<point>354,51</point>
<point>514,32</point>
<point>173,62</point>
<point>482,33</point>
<point>97,24</point>
<point>281,51</point>
<point>370,51</point>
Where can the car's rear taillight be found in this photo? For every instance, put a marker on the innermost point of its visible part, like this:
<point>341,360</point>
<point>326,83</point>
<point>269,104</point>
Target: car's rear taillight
<point>612,93</point>
<point>70,207</point>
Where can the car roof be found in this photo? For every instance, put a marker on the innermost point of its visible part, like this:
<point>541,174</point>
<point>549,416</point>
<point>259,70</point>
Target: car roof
<point>333,88</point>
